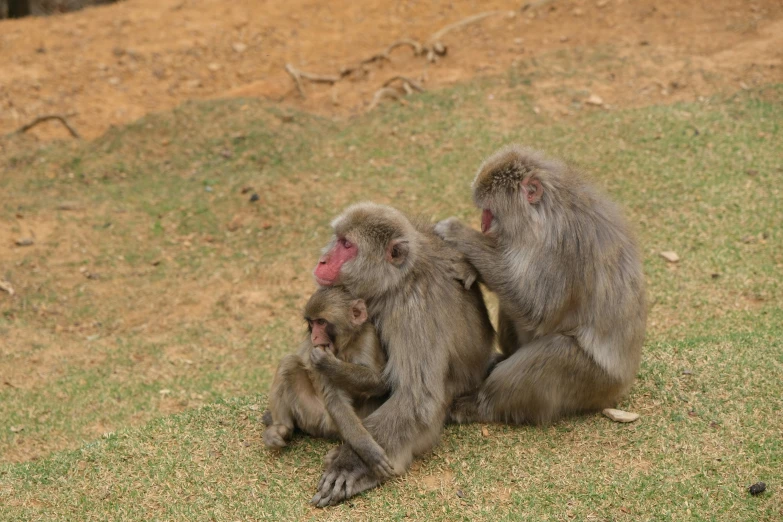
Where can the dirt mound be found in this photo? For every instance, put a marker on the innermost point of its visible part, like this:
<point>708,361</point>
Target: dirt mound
<point>112,64</point>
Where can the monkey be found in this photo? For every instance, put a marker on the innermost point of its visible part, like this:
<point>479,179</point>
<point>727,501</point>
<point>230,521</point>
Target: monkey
<point>571,290</point>
<point>436,334</point>
<point>333,380</point>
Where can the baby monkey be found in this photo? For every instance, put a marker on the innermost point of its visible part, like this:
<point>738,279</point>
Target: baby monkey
<point>333,381</point>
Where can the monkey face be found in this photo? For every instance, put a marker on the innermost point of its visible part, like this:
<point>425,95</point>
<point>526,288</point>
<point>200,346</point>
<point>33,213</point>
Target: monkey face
<point>372,249</point>
<point>340,251</point>
<point>322,332</point>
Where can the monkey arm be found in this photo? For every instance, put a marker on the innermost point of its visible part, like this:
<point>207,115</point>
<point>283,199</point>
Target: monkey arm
<point>339,406</point>
<point>480,250</point>
<point>355,379</point>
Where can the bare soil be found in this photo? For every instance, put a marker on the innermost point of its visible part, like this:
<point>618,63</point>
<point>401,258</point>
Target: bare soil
<point>109,65</point>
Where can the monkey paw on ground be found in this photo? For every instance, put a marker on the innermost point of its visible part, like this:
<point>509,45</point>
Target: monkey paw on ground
<point>346,475</point>
<point>276,436</point>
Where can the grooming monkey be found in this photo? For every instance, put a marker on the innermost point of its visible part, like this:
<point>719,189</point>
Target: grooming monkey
<point>432,324</point>
<point>333,380</point>
<point>568,277</point>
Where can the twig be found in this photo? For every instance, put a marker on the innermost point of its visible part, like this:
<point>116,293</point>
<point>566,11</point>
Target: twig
<point>297,75</point>
<point>406,81</point>
<point>466,21</point>
<point>416,46</point>
<point>41,119</point>
<point>536,4</point>
<point>384,92</point>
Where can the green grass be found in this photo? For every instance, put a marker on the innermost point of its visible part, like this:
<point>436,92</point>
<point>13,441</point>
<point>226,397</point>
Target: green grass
<point>139,389</point>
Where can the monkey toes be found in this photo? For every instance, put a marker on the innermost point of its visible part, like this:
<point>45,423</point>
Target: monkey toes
<point>464,410</point>
<point>276,436</point>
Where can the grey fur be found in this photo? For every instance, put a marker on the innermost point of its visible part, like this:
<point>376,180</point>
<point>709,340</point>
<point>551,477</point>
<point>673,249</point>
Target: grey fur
<point>436,333</point>
<point>325,394</point>
<point>570,285</point>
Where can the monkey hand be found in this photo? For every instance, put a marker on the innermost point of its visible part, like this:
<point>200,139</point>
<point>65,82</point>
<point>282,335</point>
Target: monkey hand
<point>345,476</point>
<point>449,229</point>
<point>322,358</point>
<point>375,457</point>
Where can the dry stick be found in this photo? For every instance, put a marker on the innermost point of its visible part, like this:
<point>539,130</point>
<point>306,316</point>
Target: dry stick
<point>41,119</point>
<point>416,46</point>
<point>297,75</point>
<point>465,21</point>
<point>536,4</point>
<point>406,81</point>
<point>384,92</point>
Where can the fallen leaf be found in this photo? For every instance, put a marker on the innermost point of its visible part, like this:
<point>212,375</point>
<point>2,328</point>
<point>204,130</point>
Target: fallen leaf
<point>620,415</point>
<point>24,241</point>
<point>6,287</point>
<point>670,256</point>
<point>594,99</point>
<point>484,431</point>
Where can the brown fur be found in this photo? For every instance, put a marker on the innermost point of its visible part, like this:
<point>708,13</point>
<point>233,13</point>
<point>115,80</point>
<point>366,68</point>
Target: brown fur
<point>436,333</point>
<point>325,392</point>
<point>569,280</point>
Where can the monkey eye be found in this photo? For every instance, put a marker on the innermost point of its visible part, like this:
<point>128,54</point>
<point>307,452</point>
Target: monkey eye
<point>320,322</point>
<point>346,243</point>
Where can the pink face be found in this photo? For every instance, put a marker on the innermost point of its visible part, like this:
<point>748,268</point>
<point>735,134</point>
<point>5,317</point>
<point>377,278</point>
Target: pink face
<point>318,333</point>
<point>327,271</point>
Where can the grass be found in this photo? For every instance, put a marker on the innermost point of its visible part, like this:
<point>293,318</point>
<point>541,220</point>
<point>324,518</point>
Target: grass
<point>147,322</point>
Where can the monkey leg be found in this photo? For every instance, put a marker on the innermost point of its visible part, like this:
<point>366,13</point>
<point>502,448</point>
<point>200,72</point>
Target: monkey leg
<point>352,431</point>
<point>542,381</point>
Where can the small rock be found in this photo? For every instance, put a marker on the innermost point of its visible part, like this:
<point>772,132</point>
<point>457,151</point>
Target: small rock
<point>24,241</point>
<point>165,391</point>
<point>255,197</point>
<point>484,431</point>
<point>266,225</point>
<point>239,47</point>
<point>5,286</point>
<point>114,80</point>
<point>751,172</point>
<point>563,39</point>
<point>68,205</point>
<point>578,12</point>
<point>748,239</point>
<point>247,189</point>
<point>594,99</point>
<point>620,415</point>
<point>214,67</point>
<point>17,429</point>
<point>756,489</point>
<point>460,493</point>
<point>687,372</point>
<point>670,256</point>
<point>602,3</point>
<point>715,275</point>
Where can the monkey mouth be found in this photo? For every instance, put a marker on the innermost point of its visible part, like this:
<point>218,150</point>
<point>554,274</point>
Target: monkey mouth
<point>486,220</point>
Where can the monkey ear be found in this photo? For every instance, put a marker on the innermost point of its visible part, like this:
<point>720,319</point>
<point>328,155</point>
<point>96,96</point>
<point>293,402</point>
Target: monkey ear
<point>397,251</point>
<point>358,312</point>
<point>533,189</point>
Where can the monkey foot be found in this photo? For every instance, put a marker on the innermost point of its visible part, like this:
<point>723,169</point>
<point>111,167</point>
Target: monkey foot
<point>276,436</point>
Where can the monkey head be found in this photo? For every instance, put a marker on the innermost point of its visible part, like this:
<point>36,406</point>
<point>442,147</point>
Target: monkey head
<point>373,248</point>
<point>513,188</point>
<point>333,316</point>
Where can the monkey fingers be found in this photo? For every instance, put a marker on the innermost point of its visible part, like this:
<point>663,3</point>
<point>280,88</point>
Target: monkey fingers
<point>448,229</point>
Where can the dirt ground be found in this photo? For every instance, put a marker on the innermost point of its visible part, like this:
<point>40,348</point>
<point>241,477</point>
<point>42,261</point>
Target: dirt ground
<point>112,64</point>
<point>109,65</point>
